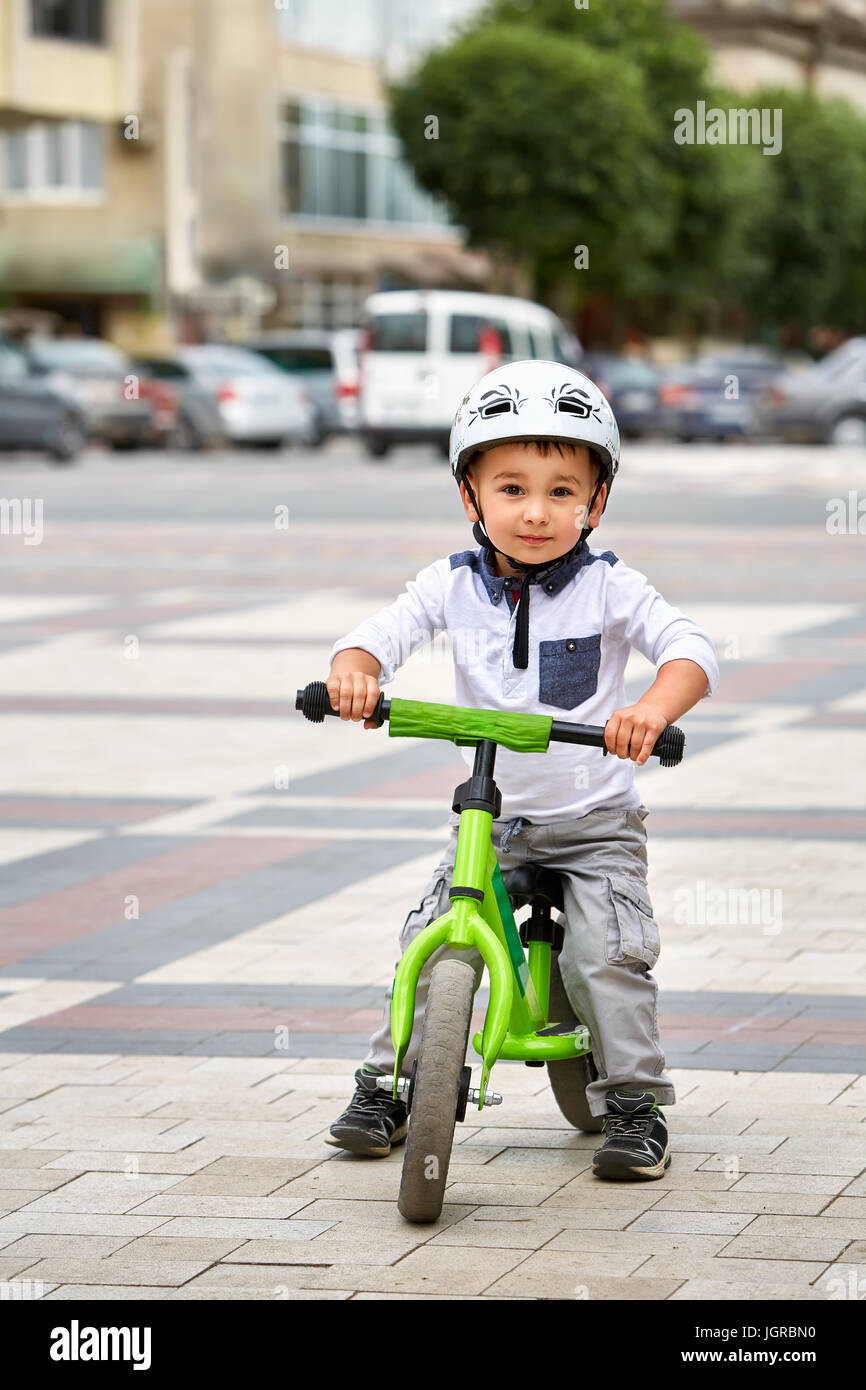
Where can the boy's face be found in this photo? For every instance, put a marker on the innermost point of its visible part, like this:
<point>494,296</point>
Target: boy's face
<point>524,495</point>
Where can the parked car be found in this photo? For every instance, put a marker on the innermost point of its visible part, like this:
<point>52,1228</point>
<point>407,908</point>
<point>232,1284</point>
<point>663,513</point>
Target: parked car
<point>258,403</point>
<point>94,376</point>
<point>423,349</point>
<point>326,364</point>
<point>196,422</point>
<point>713,397</point>
<point>631,384</point>
<point>822,403</point>
<point>32,414</point>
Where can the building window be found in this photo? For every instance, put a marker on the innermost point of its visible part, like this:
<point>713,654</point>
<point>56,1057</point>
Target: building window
<point>324,302</point>
<point>344,161</point>
<point>80,20</point>
<point>55,159</point>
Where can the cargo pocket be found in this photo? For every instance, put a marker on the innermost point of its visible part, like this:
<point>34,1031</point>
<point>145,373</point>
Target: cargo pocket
<point>568,670</point>
<point>632,933</point>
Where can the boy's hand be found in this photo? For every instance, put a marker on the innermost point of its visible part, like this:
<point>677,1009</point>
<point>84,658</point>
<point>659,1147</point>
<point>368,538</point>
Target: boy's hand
<point>631,732</point>
<point>355,695</point>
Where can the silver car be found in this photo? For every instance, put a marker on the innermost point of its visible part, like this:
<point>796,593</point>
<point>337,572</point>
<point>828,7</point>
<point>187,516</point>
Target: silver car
<point>824,403</point>
<point>258,403</point>
<point>326,363</point>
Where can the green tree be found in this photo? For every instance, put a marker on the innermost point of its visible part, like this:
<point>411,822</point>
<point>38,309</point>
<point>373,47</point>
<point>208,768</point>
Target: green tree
<point>806,234</point>
<point>556,130</point>
<point>539,148</point>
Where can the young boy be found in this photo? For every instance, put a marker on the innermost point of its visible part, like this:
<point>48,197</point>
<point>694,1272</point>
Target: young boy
<point>534,449</point>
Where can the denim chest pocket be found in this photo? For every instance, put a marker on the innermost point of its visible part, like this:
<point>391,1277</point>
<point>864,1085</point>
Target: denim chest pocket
<point>568,670</point>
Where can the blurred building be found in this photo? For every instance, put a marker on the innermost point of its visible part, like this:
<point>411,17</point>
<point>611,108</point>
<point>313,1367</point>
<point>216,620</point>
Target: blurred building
<point>352,212</point>
<point>194,168</point>
<point>798,43</point>
<point>168,170</point>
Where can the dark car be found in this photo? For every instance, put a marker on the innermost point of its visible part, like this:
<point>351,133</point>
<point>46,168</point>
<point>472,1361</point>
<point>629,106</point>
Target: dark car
<point>713,397</point>
<point>631,385</point>
<point>94,376</point>
<point>197,421</point>
<point>824,403</point>
<point>32,414</point>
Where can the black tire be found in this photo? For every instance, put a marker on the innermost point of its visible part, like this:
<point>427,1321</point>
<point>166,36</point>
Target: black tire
<point>569,1079</point>
<point>185,436</point>
<point>315,436</point>
<point>841,428</point>
<point>66,440</point>
<point>435,1096</point>
<point>376,446</point>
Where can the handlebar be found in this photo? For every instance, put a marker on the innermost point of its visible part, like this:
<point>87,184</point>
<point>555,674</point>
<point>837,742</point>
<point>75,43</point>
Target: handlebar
<point>525,733</point>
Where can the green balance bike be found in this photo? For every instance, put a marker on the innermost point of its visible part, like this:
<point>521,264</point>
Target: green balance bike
<point>529,1018</point>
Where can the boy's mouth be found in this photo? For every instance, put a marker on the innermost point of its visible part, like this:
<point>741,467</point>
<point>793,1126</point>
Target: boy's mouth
<point>535,540</point>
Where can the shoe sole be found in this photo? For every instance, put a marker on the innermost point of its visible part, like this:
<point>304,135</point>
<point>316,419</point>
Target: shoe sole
<point>357,1141</point>
<point>617,1172</point>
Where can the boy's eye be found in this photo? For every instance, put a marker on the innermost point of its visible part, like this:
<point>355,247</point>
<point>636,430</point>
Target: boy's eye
<point>508,487</point>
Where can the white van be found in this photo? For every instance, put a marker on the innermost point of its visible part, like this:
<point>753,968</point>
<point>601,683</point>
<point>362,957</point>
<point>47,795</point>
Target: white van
<point>423,349</point>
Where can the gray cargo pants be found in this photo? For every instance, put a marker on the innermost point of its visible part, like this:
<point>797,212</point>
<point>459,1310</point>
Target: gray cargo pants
<point>611,942</point>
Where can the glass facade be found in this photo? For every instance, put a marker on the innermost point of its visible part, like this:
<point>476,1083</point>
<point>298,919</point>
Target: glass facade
<point>343,161</point>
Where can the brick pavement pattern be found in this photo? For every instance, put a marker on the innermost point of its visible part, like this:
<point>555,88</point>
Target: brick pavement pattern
<point>200,896</point>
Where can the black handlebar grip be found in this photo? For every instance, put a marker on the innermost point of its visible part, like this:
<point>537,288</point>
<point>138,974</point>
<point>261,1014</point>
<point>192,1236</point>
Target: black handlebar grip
<point>669,746</point>
<point>314,702</point>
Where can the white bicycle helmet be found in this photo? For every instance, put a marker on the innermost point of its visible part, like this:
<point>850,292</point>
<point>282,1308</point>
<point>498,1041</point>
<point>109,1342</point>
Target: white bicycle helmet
<point>534,400</point>
<point>528,400</point>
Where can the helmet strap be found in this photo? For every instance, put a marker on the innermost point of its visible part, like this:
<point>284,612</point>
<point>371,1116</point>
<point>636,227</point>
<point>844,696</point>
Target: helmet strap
<point>520,652</point>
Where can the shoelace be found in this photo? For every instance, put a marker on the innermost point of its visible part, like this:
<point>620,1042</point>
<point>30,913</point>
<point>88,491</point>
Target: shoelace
<point>627,1126</point>
<point>372,1100</point>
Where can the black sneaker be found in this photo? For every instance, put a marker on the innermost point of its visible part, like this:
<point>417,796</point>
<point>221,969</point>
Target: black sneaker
<point>636,1138</point>
<point>373,1121</point>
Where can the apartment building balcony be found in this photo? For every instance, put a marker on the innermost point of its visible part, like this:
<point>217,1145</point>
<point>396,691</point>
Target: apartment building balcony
<point>799,43</point>
<point>77,60</point>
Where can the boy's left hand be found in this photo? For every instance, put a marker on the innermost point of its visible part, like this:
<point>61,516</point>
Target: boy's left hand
<point>631,732</point>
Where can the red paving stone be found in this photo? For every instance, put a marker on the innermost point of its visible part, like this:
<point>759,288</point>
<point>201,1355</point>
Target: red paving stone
<point>228,1018</point>
<point>437,783</point>
<point>754,683</point>
<point>70,913</point>
<point>141,1017</point>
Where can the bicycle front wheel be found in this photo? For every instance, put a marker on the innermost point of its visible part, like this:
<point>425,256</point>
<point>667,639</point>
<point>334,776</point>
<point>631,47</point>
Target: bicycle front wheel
<point>436,1093</point>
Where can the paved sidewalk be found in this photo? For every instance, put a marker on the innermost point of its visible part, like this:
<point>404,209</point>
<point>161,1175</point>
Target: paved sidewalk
<point>200,895</point>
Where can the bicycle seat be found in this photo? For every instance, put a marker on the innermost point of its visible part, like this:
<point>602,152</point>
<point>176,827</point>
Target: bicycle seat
<point>532,883</point>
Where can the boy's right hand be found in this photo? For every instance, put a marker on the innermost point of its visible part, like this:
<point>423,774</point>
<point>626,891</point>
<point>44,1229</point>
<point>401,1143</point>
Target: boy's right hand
<point>355,695</point>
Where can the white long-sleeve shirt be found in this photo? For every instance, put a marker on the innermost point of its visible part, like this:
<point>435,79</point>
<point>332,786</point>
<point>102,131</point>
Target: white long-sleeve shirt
<point>583,620</point>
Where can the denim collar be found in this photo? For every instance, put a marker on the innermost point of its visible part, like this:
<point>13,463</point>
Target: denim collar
<point>551,582</point>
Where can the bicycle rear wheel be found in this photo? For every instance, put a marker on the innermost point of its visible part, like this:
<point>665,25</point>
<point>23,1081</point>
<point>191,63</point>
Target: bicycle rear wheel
<point>436,1092</point>
<point>569,1079</point>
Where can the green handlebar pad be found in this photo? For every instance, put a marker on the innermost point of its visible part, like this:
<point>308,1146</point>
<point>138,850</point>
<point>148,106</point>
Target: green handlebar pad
<point>525,733</point>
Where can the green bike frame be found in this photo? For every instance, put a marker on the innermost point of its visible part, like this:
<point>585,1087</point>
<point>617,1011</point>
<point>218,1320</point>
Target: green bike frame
<point>519,988</point>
